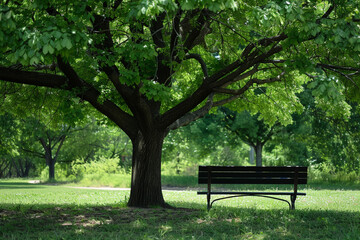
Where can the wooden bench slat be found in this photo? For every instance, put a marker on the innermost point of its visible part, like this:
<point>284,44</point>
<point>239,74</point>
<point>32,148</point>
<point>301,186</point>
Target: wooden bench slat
<point>252,168</point>
<point>250,181</point>
<point>255,193</point>
<point>253,174</point>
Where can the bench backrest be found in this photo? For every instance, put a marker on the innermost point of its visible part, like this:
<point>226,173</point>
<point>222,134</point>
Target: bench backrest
<point>252,175</point>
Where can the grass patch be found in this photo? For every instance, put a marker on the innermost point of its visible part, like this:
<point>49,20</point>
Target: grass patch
<point>34,211</point>
<point>124,181</point>
<point>108,180</point>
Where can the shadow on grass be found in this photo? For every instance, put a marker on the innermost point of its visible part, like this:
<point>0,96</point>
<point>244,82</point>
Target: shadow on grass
<point>20,185</point>
<point>103,222</point>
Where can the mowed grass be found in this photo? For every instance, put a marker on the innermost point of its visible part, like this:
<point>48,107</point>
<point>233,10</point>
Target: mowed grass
<point>38,211</point>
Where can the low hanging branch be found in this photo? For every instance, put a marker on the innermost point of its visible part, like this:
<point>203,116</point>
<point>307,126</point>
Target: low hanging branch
<point>238,92</point>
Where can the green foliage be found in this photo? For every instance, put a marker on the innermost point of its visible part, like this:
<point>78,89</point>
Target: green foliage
<point>326,172</point>
<point>101,166</point>
<point>101,172</point>
<point>61,174</point>
<point>8,128</point>
<point>329,96</point>
<point>201,142</point>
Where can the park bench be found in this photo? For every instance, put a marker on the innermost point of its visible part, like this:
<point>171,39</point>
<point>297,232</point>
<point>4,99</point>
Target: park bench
<point>252,175</point>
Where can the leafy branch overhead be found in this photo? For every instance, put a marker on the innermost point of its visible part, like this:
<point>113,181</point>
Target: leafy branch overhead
<point>163,52</point>
<point>154,66</point>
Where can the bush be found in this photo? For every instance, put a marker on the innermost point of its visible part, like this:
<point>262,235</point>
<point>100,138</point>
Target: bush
<point>61,174</point>
<point>101,166</point>
<point>78,170</point>
<point>326,172</point>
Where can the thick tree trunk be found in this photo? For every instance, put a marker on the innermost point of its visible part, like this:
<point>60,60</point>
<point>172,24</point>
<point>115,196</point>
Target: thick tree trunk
<point>258,150</point>
<point>51,169</point>
<point>146,170</point>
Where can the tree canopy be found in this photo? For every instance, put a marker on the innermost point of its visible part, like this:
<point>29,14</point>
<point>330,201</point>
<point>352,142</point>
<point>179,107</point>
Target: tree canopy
<point>154,66</point>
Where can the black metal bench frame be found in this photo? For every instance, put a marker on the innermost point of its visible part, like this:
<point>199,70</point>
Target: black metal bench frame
<point>252,175</point>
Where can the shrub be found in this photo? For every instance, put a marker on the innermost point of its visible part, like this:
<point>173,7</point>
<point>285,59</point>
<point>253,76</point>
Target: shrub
<point>326,172</point>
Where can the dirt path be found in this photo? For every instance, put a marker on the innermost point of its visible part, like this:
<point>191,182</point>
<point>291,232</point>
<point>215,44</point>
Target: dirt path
<point>178,189</point>
<point>164,188</point>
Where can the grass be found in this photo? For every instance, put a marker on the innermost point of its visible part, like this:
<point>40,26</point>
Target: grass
<point>38,211</point>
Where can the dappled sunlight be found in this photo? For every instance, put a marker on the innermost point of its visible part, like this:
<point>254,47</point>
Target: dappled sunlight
<point>102,214</point>
<point>224,222</point>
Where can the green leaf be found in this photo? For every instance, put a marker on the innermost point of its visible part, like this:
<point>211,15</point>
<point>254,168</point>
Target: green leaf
<point>51,49</point>
<point>312,85</point>
<point>66,43</point>
<point>337,39</point>
<point>58,45</point>
<point>352,40</point>
<point>188,5</point>
<point>46,49</point>
<point>8,15</point>
<point>34,60</point>
<point>57,34</point>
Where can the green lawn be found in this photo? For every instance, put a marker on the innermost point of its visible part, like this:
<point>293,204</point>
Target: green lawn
<point>36,211</point>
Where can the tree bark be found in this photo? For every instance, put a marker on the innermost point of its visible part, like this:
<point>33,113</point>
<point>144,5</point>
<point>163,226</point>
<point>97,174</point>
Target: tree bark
<point>51,164</point>
<point>258,150</point>
<point>146,170</point>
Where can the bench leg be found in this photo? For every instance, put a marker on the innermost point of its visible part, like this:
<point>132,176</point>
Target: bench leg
<point>292,198</point>
<point>208,201</point>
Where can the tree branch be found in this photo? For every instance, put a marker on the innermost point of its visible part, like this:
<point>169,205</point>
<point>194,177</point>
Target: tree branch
<point>199,31</point>
<point>238,92</point>
<point>226,100</point>
<point>198,58</point>
<point>88,92</point>
<point>33,153</point>
<point>326,14</point>
<point>244,66</point>
<point>117,4</point>
<point>108,108</point>
<point>34,78</point>
<point>156,27</point>
<point>337,70</point>
<point>192,116</point>
<point>175,34</point>
<point>63,137</point>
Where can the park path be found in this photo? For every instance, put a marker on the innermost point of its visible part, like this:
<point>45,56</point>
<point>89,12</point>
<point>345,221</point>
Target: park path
<point>177,189</point>
<point>164,188</point>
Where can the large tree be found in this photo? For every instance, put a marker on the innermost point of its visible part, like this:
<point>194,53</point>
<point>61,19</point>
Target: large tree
<point>154,66</point>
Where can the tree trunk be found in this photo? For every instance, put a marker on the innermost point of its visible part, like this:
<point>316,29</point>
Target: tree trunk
<point>258,150</point>
<point>51,169</point>
<point>251,155</point>
<point>28,166</point>
<point>146,170</point>
<point>50,161</point>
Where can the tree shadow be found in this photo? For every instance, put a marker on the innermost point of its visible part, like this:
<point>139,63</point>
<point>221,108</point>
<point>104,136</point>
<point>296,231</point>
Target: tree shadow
<point>20,185</point>
<point>102,222</point>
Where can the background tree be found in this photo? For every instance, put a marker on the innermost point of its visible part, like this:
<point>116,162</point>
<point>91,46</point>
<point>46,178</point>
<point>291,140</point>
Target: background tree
<point>205,142</point>
<point>148,67</point>
<point>8,146</point>
<point>252,131</point>
<point>318,137</point>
